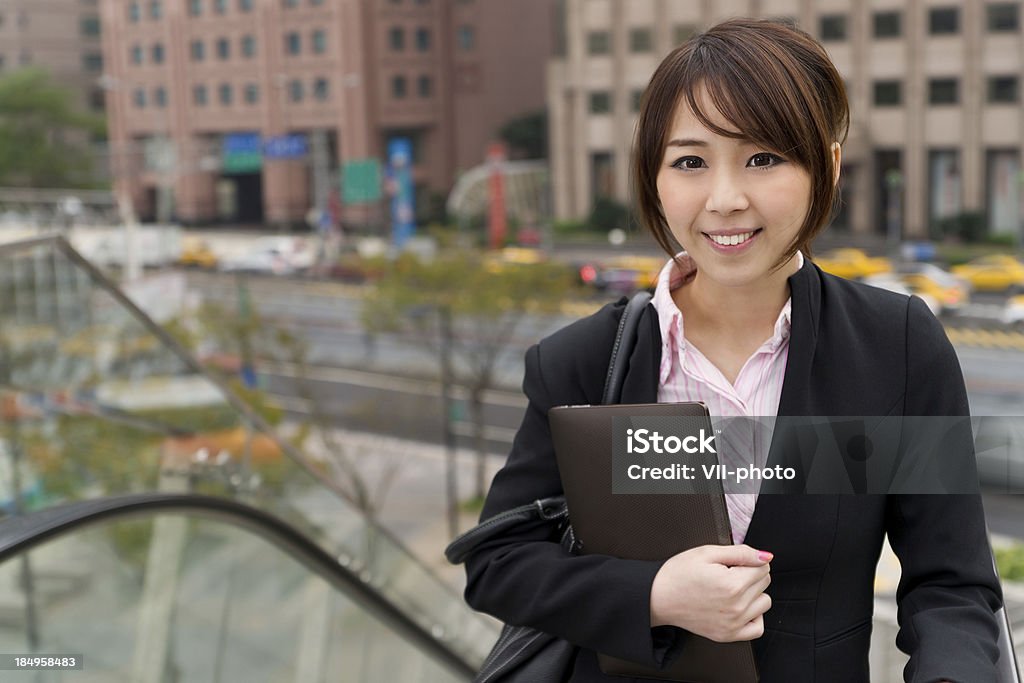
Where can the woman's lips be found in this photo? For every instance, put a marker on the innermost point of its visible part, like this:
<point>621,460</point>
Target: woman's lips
<point>732,243</point>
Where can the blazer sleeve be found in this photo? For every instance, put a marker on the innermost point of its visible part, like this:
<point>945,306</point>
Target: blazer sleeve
<point>598,602</point>
<point>948,589</point>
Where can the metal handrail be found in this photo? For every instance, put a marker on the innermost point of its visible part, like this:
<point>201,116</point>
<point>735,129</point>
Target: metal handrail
<point>21,533</point>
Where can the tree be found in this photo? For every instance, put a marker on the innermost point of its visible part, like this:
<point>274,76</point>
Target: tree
<point>43,138</point>
<point>527,136</point>
<point>465,307</point>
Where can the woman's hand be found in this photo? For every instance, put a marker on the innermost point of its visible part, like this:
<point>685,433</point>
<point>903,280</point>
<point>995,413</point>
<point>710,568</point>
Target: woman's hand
<point>714,591</point>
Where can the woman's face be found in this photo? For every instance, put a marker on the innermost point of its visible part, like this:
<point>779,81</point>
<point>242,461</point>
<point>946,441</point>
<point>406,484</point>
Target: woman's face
<point>732,204</point>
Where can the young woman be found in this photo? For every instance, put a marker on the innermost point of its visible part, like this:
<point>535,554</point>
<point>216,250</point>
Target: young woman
<point>737,159</point>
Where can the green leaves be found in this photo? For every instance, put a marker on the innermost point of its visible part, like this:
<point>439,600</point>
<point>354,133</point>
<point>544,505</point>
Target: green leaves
<point>43,137</point>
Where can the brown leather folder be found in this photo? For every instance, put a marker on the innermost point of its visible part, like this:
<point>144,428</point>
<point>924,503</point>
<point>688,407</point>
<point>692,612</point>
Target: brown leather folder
<point>646,526</point>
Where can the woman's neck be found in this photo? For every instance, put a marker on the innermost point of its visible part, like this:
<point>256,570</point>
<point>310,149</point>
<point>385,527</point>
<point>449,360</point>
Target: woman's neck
<point>739,311</point>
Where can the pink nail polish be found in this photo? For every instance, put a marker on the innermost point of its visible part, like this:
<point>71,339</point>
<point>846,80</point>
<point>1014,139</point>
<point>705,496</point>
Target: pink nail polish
<point>764,555</point>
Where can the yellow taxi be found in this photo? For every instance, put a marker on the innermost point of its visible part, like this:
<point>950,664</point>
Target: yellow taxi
<point>853,264</point>
<point>196,253</point>
<point>495,261</point>
<point>926,279</point>
<point>993,273</point>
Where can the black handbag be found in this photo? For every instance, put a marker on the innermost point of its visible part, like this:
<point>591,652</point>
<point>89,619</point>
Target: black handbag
<point>523,654</point>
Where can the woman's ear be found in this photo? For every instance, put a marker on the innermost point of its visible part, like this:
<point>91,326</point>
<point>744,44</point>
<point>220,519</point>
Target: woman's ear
<point>837,161</point>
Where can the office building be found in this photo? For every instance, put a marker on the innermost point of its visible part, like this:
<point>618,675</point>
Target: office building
<point>934,86</point>
<point>246,110</point>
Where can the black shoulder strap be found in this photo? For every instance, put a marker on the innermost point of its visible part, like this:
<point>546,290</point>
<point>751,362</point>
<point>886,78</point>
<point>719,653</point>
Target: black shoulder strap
<point>625,339</point>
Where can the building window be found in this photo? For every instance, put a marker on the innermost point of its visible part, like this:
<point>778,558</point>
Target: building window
<point>635,98</point>
<point>600,102</point>
<point>396,38</point>
<point>944,184</point>
<point>245,5</point>
<point>422,39</point>
<point>1002,201</point>
<point>136,54</point>
<point>1003,89</point>
<point>223,48</point>
<point>293,43</point>
<point>224,93</point>
<point>943,91</point>
<point>316,3</point>
<point>220,6</point>
<point>599,43</point>
<point>943,20</point>
<point>425,86</point>
<point>888,24</point>
<point>683,32</point>
<point>466,38</point>
<point>888,93</point>
<point>252,93</point>
<point>160,96</point>
<point>156,9</point>
<point>291,3</point>
<point>199,95</point>
<point>248,46</point>
<point>90,26</point>
<point>92,61</point>
<point>198,50</point>
<point>1003,17</point>
<point>398,87</point>
<point>320,89</point>
<point>602,174</point>
<point>195,7</point>
<point>296,91</point>
<point>319,41</point>
<point>134,13</point>
<point>640,40</point>
<point>833,27</point>
<point>157,52</point>
<point>139,96</point>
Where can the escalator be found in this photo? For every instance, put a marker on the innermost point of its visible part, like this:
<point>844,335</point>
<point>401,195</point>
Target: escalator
<point>222,592</point>
<point>157,525</point>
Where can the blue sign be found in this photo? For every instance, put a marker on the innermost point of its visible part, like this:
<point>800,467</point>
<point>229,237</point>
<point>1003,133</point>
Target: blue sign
<point>286,147</point>
<point>241,143</point>
<point>403,214</point>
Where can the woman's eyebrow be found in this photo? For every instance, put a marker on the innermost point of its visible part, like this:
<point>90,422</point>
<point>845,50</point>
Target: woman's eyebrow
<point>686,142</point>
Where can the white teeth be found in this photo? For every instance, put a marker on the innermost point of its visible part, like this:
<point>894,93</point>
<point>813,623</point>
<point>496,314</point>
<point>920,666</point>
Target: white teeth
<point>731,240</point>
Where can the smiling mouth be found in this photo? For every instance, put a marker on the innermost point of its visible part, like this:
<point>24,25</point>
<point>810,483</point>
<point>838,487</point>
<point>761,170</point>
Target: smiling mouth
<point>732,240</point>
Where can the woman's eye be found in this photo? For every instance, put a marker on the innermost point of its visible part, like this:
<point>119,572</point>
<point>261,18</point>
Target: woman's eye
<point>764,160</point>
<point>688,163</point>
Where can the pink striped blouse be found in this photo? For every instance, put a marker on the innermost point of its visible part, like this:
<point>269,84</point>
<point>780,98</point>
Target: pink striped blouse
<point>687,375</point>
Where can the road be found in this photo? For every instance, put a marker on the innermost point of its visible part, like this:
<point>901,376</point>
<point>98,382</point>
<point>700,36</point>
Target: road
<point>380,397</point>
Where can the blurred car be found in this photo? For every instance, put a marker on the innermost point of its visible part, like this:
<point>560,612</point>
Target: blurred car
<point>622,274</point>
<point>853,264</point>
<point>513,256</point>
<point>928,279</point>
<point>196,253</point>
<point>271,256</point>
<point>993,273</point>
<point>1013,311</point>
<point>893,283</point>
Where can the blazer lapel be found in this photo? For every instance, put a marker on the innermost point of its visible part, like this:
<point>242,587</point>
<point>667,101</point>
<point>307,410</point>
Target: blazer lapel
<point>771,511</point>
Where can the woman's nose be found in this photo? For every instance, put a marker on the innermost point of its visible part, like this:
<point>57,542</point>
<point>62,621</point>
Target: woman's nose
<point>726,194</point>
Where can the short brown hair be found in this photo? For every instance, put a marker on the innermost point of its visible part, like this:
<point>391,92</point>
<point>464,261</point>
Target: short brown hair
<point>770,80</point>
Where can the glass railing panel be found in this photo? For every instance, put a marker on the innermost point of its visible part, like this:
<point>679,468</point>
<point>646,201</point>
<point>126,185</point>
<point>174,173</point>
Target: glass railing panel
<point>175,597</point>
<point>95,402</point>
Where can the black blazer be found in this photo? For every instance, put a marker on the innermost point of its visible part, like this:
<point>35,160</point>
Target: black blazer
<point>854,351</point>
